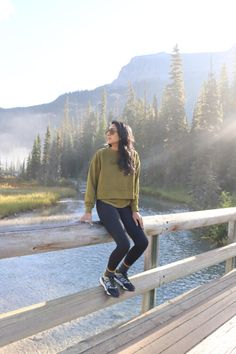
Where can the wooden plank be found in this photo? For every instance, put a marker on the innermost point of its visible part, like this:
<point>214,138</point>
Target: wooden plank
<point>221,341</point>
<point>187,330</point>
<point>202,218</point>
<point>153,319</point>
<point>31,239</point>
<point>203,329</point>
<point>190,265</point>
<point>151,260</point>
<point>161,223</point>
<point>190,220</point>
<point>231,238</point>
<point>33,319</point>
<point>48,239</point>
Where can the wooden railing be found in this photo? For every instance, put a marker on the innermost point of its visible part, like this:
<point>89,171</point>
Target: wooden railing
<point>30,239</point>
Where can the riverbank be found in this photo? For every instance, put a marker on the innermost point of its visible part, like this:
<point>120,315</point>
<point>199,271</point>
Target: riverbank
<point>17,197</point>
<point>21,196</point>
<point>176,195</point>
<point>172,195</point>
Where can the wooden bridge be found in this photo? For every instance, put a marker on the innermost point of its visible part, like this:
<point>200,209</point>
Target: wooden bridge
<point>200,321</point>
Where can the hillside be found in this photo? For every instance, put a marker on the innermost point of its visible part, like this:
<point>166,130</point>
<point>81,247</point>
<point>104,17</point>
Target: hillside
<point>148,74</point>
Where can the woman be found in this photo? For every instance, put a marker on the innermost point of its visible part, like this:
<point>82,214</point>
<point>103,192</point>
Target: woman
<point>113,182</point>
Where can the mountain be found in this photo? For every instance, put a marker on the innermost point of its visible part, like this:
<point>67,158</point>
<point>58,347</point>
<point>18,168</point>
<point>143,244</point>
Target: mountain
<point>148,75</point>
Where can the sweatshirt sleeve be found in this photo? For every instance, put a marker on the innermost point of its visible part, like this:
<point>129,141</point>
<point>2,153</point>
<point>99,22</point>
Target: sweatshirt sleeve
<point>92,181</point>
<point>135,201</point>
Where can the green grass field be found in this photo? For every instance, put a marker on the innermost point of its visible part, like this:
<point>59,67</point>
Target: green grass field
<point>172,195</point>
<point>17,197</point>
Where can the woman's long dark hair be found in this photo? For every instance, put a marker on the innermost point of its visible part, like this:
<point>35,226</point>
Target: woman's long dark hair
<point>125,147</point>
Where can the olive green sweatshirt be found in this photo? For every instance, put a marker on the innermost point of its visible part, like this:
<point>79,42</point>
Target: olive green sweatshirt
<point>108,183</point>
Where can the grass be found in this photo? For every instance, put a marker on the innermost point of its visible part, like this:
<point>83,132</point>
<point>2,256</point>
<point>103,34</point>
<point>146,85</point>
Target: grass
<point>18,197</point>
<point>177,195</point>
<point>234,199</point>
<point>173,195</point>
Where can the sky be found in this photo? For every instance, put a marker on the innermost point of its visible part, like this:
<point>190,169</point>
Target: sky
<point>50,47</point>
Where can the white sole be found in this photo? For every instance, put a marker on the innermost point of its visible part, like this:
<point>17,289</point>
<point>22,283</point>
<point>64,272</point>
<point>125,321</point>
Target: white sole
<point>103,285</point>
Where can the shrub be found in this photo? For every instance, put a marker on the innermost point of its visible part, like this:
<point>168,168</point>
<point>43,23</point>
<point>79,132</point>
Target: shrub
<point>217,234</point>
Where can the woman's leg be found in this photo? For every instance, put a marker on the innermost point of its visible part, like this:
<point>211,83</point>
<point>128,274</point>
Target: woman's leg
<point>137,235</point>
<point>111,220</point>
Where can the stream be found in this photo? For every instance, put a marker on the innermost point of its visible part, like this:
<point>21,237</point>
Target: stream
<point>32,279</point>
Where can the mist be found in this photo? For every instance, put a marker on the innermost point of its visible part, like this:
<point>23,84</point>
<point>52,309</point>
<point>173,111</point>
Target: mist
<point>17,135</point>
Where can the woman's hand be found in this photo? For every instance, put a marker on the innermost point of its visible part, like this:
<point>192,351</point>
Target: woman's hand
<point>87,217</point>
<point>138,219</point>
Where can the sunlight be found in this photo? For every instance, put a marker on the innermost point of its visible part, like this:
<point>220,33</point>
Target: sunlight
<point>228,132</point>
<point>6,9</point>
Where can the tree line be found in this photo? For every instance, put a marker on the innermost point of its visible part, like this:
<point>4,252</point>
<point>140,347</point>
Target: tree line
<point>199,157</point>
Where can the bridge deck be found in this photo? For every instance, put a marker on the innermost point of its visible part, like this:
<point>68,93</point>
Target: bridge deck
<point>195,322</point>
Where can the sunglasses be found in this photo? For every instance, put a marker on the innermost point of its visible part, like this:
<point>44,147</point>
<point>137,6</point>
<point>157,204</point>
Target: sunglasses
<point>111,131</point>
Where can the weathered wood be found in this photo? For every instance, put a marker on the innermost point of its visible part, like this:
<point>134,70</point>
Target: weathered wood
<point>31,239</point>
<point>188,330</point>
<point>160,329</point>
<point>151,260</point>
<point>202,218</point>
<point>230,263</point>
<point>193,264</point>
<point>222,341</point>
<point>30,320</point>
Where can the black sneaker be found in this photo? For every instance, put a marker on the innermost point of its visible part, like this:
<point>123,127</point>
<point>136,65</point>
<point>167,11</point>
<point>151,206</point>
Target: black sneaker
<point>123,281</point>
<point>110,286</point>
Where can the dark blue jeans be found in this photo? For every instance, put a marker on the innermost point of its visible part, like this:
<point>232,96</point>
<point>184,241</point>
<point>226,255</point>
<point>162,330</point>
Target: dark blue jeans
<point>119,223</point>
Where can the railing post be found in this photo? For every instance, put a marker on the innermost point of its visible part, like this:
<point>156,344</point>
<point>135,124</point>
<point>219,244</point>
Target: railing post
<point>230,263</point>
<point>151,260</point>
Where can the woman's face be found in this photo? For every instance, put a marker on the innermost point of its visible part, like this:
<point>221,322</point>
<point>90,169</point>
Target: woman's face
<point>112,136</point>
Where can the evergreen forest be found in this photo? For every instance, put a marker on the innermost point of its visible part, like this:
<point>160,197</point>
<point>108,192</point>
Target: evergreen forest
<point>198,157</point>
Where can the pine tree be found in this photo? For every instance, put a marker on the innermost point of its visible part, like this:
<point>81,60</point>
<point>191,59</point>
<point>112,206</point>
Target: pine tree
<point>224,144</point>
<point>88,138</point>
<point>233,90</point>
<point>54,169</point>
<point>173,124</point>
<point>76,147</point>
<point>100,138</point>
<point>22,170</point>
<point>151,143</point>
<point>35,163</point>
<point>207,124</point>
<point>130,110</point>
<point>134,114</point>
<point>46,156</point>
<point>224,93</point>
<point>212,114</point>
<point>231,141</point>
<point>204,185</point>
<point>67,143</point>
<point>197,113</point>
<point>155,108</point>
<point>28,167</point>
<point>110,117</point>
<point>177,121</point>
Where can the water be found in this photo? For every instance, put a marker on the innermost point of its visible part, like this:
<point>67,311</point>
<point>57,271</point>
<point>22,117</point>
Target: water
<point>178,245</point>
<point>31,279</point>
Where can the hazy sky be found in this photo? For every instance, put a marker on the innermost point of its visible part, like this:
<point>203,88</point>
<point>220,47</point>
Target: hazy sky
<point>49,47</point>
